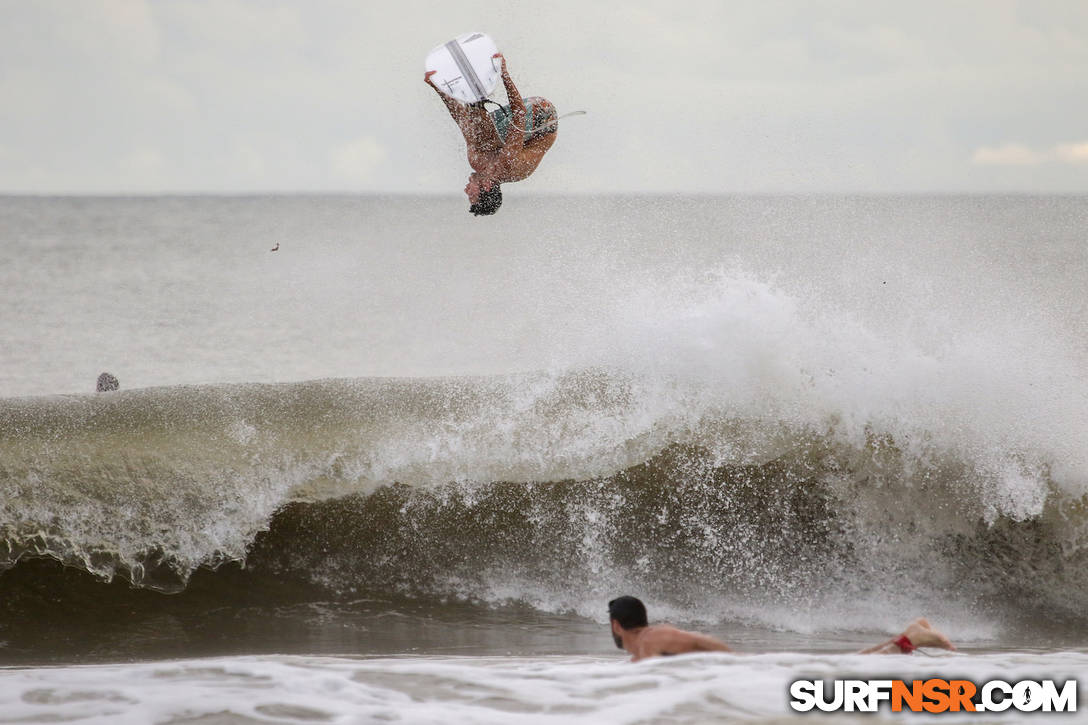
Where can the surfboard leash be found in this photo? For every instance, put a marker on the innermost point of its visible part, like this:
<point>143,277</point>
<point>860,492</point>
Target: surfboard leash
<point>554,121</point>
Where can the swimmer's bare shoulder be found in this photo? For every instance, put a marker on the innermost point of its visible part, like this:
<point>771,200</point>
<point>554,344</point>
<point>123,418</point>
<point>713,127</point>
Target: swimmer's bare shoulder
<point>665,639</point>
<point>632,632</point>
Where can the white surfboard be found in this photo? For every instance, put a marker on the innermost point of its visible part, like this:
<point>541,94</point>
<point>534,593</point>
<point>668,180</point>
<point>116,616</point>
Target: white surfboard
<point>464,67</point>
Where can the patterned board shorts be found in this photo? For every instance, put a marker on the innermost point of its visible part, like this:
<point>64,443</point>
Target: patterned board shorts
<point>540,118</point>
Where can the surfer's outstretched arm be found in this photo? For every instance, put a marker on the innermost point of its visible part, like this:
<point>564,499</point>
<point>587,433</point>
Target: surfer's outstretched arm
<point>515,137</point>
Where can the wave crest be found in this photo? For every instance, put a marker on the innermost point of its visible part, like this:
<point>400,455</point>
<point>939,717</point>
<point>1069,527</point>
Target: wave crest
<point>551,490</point>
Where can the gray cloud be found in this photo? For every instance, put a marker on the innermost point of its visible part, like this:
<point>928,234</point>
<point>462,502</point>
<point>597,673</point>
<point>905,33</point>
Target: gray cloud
<point>231,95</point>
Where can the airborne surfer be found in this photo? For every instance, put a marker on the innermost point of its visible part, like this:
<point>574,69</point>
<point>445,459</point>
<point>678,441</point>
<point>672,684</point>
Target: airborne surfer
<point>632,632</point>
<point>504,145</point>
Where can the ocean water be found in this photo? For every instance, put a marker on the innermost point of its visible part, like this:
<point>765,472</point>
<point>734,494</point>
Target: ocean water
<point>395,469</point>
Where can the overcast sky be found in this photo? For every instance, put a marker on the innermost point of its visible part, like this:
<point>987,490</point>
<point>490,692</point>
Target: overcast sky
<point>147,96</point>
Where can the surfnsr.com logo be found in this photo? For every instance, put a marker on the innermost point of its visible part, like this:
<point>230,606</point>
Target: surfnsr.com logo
<point>933,695</point>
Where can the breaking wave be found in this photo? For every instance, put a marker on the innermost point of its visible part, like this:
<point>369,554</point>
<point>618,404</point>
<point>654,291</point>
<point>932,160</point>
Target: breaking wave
<point>727,451</point>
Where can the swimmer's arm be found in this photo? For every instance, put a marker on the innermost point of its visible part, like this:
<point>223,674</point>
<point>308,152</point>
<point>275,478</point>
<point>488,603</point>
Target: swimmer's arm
<point>677,642</point>
<point>703,643</point>
<point>515,136</point>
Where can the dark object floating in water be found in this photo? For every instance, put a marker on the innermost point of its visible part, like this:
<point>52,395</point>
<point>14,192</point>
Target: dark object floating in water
<point>106,383</point>
<point>275,248</point>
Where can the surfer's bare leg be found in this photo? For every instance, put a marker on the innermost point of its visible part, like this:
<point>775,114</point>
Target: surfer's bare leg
<point>515,137</point>
<point>455,107</point>
<point>475,123</point>
<point>919,633</point>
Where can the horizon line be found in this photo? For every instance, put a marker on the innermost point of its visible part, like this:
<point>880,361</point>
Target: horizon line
<point>545,195</point>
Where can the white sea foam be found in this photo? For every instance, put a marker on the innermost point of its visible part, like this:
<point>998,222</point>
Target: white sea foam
<point>440,690</point>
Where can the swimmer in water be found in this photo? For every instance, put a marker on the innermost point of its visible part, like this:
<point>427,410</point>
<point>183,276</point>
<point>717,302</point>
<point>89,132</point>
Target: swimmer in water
<point>631,631</point>
<point>505,145</point>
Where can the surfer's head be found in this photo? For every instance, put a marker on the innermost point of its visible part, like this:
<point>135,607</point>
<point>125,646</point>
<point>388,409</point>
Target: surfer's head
<point>106,383</point>
<point>626,612</point>
<point>484,194</point>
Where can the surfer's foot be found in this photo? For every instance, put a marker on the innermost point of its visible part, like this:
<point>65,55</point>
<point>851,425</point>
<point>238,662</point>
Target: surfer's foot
<point>427,77</point>
<point>919,633</point>
<point>922,634</point>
